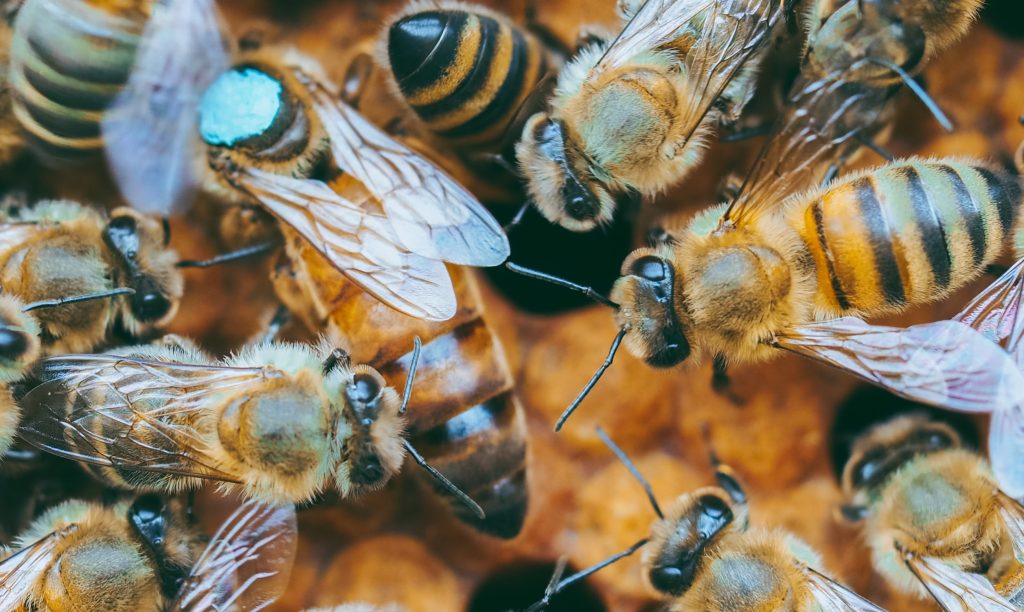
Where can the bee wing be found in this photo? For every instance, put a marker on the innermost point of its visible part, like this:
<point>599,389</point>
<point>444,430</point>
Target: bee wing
<point>1013,517</point>
<point>360,243</point>
<point>954,589</point>
<point>20,572</point>
<point>996,312</point>
<point>16,233</point>
<point>834,597</point>
<point>128,413</point>
<point>656,22</point>
<point>431,213</point>
<point>247,563</point>
<point>945,363</point>
<point>150,132</point>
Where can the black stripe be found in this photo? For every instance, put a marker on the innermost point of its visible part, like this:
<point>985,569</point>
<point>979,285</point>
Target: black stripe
<point>506,96</point>
<point>970,210</point>
<point>1004,191</point>
<point>880,237</point>
<point>477,77</point>
<point>837,287</point>
<point>933,234</point>
<point>441,56</point>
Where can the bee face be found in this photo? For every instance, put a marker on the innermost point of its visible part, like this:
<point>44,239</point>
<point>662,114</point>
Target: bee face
<point>558,178</point>
<point>646,295</point>
<point>680,540</point>
<point>139,246</point>
<point>373,453</point>
<point>19,339</point>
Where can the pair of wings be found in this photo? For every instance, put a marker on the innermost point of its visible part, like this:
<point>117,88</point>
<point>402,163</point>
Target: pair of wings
<point>245,566</point>
<point>129,413</point>
<point>832,596</point>
<point>396,255</point>
<point>730,33</point>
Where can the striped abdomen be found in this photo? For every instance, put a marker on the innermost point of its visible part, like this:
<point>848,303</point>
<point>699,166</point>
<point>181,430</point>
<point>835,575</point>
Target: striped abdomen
<point>906,233</point>
<point>69,60</point>
<point>465,74</point>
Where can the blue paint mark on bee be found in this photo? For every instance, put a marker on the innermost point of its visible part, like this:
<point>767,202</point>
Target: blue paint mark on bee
<point>242,103</point>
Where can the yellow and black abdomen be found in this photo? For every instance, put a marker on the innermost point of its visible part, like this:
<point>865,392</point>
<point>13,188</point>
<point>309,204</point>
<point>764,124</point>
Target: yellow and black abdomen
<point>906,233</point>
<point>464,74</point>
<point>69,59</point>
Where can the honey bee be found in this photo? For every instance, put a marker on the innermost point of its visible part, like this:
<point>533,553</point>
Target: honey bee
<point>789,264</point>
<point>702,554</point>
<point>265,124</point>
<point>19,348</point>
<point>277,421</point>
<point>58,249</point>
<point>934,516</point>
<point>633,115</point>
<point>148,554</point>
<point>466,418</point>
<point>464,71</point>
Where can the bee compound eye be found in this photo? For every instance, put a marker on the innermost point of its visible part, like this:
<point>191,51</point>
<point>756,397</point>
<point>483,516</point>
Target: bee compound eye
<point>578,208</point>
<point>650,267</point>
<point>123,223</point>
<point>668,579</point>
<point>13,344</point>
<point>364,388</point>
<point>150,306</point>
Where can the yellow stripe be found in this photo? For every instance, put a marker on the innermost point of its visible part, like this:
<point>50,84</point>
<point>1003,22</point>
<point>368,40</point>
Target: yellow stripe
<point>456,72</point>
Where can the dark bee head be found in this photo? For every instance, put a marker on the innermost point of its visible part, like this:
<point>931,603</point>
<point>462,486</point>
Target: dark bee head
<point>373,453</point>
<point>886,447</point>
<point>155,521</point>
<point>647,308</point>
<point>559,179</point>
<point>138,246</point>
<point>19,339</point>
<point>679,541</point>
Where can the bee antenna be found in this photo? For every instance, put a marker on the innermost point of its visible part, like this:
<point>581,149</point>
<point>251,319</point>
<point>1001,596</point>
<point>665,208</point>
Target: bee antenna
<point>723,473</point>
<point>580,575</point>
<point>74,299</point>
<point>444,482</point>
<point>593,380</point>
<point>230,256</point>
<point>632,470</point>
<point>413,362</point>
<point>929,103</point>
<point>555,280</point>
<point>517,218</point>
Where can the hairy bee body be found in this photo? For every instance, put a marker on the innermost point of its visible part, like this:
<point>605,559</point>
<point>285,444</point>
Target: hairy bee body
<point>463,70</point>
<point>465,416</point>
<point>58,248</point>
<point>105,564</point>
<point>69,59</point>
<point>926,497</point>
<point>19,348</point>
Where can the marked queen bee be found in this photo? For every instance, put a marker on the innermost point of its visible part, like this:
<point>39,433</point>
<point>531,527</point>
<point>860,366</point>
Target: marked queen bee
<point>634,114</point>
<point>702,554</point>
<point>277,421</point>
<point>148,554</point>
<point>267,126</point>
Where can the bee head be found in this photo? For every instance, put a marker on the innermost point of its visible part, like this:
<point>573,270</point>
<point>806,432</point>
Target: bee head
<point>645,293</point>
<point>19,339</point>
<point>886,447</point>
<point>558,177</point>
<point>146,264</point>
<point>373,452</point>
<point>679,541</point>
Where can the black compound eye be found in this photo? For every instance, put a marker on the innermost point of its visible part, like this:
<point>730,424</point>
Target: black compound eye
<point>714,507</point>
<point>122,223</point>
<point>865,470</point>
<point>579,209</point>
<point>147,509</point>
<point>650,268</point>
<point>364,388</point>
<point>13,344</point>
<point>668,579</point>
<point>150,306</point>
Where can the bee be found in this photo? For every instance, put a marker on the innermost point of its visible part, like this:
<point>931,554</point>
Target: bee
<point>266,124</point>
<point>467,420</point>
<point>702,554</point>
<point>787,264</point>
<point>19,348</point>
<point>462,70</point>
<point>58,249</point>
<point>633,115</point>
<point>277,421</point>
<point>148,554</point>
<point>934,516</point>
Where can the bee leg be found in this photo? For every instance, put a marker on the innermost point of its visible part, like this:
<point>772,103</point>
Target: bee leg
<point>738,134</point>
<point>357,75</point>
<point>282,316</point>
<point>721,382</point>
<point>545,34</point>
<point>868,142</point>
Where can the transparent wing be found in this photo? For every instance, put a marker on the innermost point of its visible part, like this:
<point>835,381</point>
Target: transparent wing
<point>129,413</point>
<point>1005,443</point>
<point>944,363</point>
<point>247,563</point>
<point>431,213</point>
<point>956,590</point>
<point>20,572</point>
<point>656,23</point>
<point>996,312</point>
<point>150,132</point>
<point>358,242</point>
<point>834,597</point>
<point>1013,517</point>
